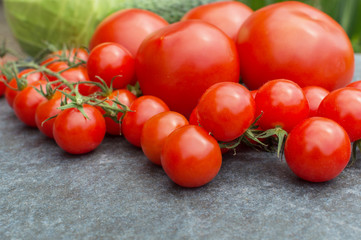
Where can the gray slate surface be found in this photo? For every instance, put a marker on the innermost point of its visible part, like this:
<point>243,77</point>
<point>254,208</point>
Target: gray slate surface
<point>116,193</point>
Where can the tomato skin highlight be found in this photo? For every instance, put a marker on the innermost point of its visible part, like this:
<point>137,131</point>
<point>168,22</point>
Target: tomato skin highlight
<point>314,95</point>
<point>142,109</point>
<point>175,62</point>
<point>264,55</point>
<point>282,103</point>
<point>344,107</point>
<point>191,157</point>
<point>76,134</point>
<point>26,102</point>
<point>108,60</point>
<point>227,15</point>
<point>226,110</point>
<point>318,149</point>
<point>128,27</point>
<point>156,130</point>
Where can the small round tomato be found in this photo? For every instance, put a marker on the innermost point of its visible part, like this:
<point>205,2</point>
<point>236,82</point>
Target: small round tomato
<point>156,130</point>
<point>3,80</point>
<point>295,41</point>
<point>356,84</point>
<point>314,95</point>
<point>77,134</point>
<point>318,149</point>
<point>111,60</point>
<point>123,96</point>
<point>226,110</point>
<point>191,157</point>
<point>30,77</point>
<point>344,107</point>
<point>45,110</point>
<point>227,15</point>
<point>128,27</point>
<point>282,103</point>
<point>74,55</point>
<point>26,102</point>
<point>194,117</point>
<point>142,109</point>
<point>184,59</point>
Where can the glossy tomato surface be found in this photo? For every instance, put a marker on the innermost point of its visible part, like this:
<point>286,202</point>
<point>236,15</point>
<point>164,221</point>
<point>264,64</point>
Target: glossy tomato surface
<point>156,130</point>
<point>314,95</point>
<point>355,84</point>
<point>226,110</point>
<point>142,109</point>
<point>344,106</point>
<point>113,63</point>
<point>282,103</point>
<point>179,62</point>
<point>295,41</point>
<point>75,133</point>
<point>226,15</point>
<point>191,157</point>
<point>127,27</point>
<point>318,149</point>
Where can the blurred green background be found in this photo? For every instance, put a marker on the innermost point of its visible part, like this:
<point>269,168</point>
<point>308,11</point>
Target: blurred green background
<point>346,12</point>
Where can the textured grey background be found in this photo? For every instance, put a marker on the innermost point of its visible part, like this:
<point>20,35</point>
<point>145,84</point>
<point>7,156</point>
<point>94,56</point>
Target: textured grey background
<point>116,193</point>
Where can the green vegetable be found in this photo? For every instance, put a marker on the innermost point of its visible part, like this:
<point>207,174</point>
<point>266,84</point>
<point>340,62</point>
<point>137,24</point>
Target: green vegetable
<point>37,22</point>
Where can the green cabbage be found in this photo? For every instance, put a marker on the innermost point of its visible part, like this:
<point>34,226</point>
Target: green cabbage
<point>72,22</point>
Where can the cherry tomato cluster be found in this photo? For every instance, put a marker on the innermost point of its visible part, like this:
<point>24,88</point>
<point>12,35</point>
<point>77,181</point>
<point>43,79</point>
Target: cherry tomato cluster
<point>173,89</point>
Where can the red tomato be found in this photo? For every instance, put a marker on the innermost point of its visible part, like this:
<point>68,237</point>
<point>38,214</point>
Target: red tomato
<point>75,133</point>
<point>26,102</point>
<point>2,84</point>
<point>191,157</point>
<point>254,93</point>
<point>108,60</point>
<point>128,27</point>
<point>142,109</point>
<point>179,62</point>
<point>356,84</point>
<point>318,149</point>
<point>156,130</point>
<point>194,117</point>
<point>226,110</point>
<point>227,15</point>
<point>72,75</point>
<point>314,95</point>
<point>295,41</point>
<point>78,53</point>
<point>45,110</point>
<point>30,77</point>
<point>123,96</point>
<point>344,107</point>
<point>282,104</point>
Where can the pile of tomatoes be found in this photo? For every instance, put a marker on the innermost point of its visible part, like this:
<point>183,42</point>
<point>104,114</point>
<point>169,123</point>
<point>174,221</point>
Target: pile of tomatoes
<point>173,89</point>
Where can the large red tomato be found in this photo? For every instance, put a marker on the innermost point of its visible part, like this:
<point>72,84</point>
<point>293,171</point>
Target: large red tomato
<point>127,27</point>
<point>227,15</point>
<point>180,61</point>
<point>295,41</point>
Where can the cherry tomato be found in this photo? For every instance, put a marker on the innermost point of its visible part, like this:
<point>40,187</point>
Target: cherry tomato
<point>318,149</point>
<point>128,27</point>
<point>226,110</point>
<point>194,117</point>
<point>142,109</point>
<point>282,104</point>
<point>2,84</point>
<point>72,75</point>
<point>45,110</point>
<point>356,84</point>
<point>74,55</point>
<point>75,133</point>
<point>124,97</point>
<point>295,41</point>
<point>314,95</point>
<point>191,157</point>
<point>26,102</point>
<point>184,59</point>
<point>156,130</point>
<point>108,60</point>
<point>30,77</point>
<point>227,15</point>
<point>344,107</point>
